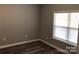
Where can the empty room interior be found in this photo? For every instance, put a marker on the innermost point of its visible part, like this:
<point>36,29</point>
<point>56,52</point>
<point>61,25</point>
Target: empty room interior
<point>39,28</point>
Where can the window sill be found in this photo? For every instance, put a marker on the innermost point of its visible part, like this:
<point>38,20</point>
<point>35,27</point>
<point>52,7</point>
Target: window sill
<point>66,41</point>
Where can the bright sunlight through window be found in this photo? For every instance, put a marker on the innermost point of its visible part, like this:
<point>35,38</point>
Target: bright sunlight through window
<point>66,26</point>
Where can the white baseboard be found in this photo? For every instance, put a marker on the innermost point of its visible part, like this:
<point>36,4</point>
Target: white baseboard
<point>54,46</point>
<point>19,43</point>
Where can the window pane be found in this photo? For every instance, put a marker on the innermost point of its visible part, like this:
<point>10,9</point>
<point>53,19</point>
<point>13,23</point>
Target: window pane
<point>73,34</point>
<point>61,19</point>
<point>74,17</point>
<point>60,32</point>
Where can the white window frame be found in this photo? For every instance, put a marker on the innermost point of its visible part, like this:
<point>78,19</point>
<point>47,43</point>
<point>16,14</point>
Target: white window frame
<point>65,41</point>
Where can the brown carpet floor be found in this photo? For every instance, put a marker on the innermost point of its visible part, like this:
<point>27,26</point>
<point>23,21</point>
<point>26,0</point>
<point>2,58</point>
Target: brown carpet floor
<point>30,48</point>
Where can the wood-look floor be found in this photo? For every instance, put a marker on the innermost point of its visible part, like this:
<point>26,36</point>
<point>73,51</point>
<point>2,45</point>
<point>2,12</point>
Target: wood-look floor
<point>30,48</point>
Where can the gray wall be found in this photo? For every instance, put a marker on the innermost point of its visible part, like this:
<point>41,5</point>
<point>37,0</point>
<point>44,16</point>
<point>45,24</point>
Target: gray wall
<point>18,20</point>
<point>47,22</point>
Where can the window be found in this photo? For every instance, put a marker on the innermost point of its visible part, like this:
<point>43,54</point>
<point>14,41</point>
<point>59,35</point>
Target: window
<point>66,26</point>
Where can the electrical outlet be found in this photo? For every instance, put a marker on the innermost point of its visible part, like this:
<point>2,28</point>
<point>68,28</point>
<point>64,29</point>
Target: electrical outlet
<point>47,37</point>
<point>4,39</point>
<point>26,35</point>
